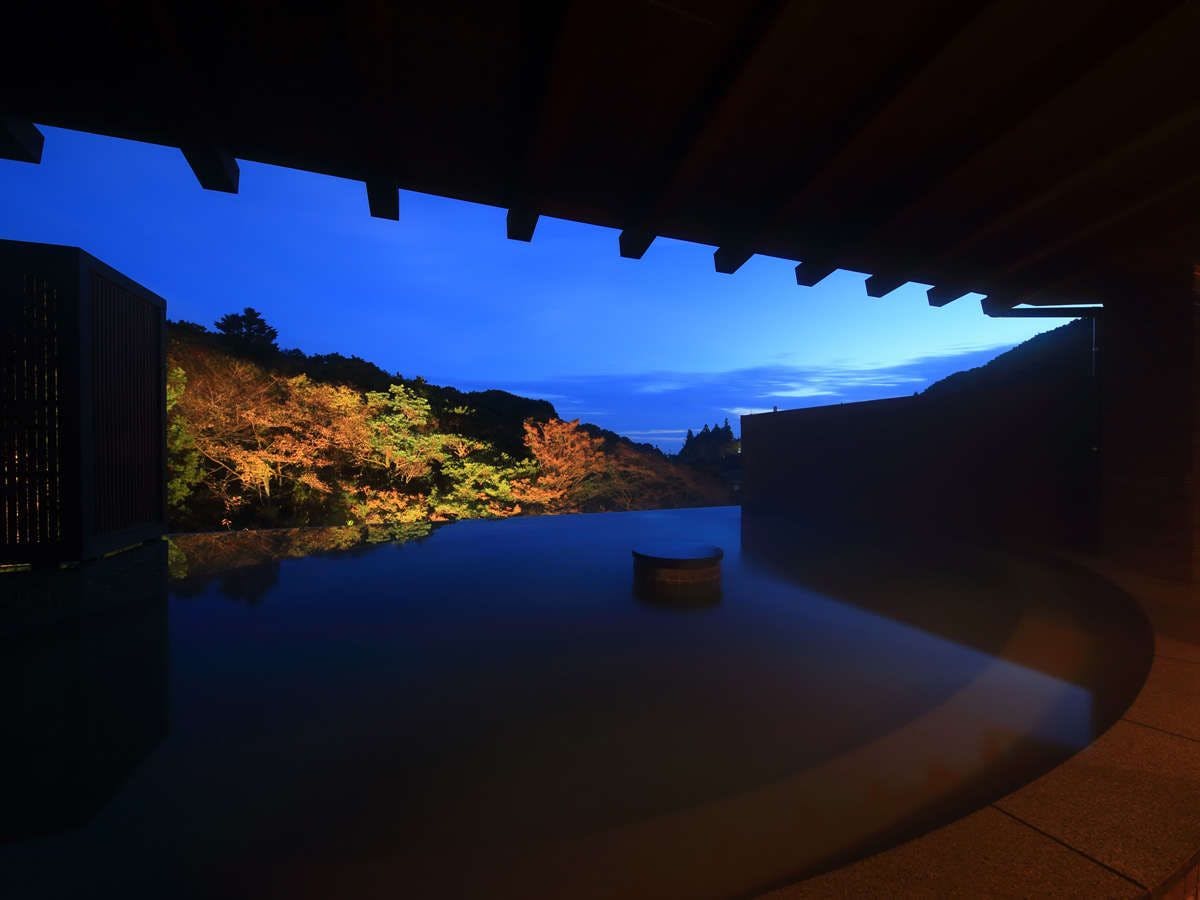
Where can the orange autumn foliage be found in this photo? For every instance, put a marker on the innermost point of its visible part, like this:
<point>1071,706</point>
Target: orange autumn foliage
<point>270,449</point>
<point>580,472</point>
<point>567,457</point>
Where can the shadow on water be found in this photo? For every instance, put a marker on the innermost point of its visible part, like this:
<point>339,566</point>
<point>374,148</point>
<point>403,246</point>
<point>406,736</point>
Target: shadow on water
<point>83,685</point>
<point>974,596</point>
<point>1043,615</point>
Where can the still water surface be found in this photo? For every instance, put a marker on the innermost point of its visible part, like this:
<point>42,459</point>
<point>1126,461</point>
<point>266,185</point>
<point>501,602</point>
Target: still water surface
<point>487,710</point>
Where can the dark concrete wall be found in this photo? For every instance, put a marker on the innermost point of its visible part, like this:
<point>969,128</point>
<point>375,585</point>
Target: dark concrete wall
<point>1029,448</point>
<point>1151,431</point>
<point>1012,456</point>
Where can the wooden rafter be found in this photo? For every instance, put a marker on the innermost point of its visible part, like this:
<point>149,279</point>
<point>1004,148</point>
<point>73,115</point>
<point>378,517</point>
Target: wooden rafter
<point>663,178</point>
<point>542,25</point>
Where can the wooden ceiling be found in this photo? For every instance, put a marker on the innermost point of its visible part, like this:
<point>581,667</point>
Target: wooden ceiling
<point>1038,152</point>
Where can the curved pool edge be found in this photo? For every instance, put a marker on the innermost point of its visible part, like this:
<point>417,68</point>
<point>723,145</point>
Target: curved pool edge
<point>1120,818</point>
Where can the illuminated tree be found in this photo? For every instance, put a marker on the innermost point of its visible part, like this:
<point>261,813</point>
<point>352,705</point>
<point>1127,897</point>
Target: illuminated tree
<point>476,488</point>
<point>184,467</point>
<point>567,458</point>
<point>252,446</point>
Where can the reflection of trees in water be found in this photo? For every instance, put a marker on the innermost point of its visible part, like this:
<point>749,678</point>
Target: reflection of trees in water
<point>245,564</point>
<point>250,585</point>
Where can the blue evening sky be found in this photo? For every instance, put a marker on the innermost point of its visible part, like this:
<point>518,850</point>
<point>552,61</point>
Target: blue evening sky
<point>648,348</point>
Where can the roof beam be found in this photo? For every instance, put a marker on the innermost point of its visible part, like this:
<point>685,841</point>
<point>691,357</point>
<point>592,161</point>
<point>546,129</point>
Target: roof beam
<point>1078,287</point>
<point>812,272</point>
<point>212,164</point>
<point>1091,48</point>
<point>940,294</point>
<point>663,180</point>
<point>1174,136</point>
<point>634,244</point>
<point>215,169</point>
<point>728,260</point>
<point>520,224</point>
<point>834,138</point>
<point>879,286</point>
<point>1046,312</point>
<point>383,198</point>
<point>542,25</point>
<point>1168,130</point>
<point>20,140</point>
<point>996,304</point>
<point>1059,259</point>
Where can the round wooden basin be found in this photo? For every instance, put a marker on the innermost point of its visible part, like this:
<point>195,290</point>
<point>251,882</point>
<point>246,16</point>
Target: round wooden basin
<point>686,573</point>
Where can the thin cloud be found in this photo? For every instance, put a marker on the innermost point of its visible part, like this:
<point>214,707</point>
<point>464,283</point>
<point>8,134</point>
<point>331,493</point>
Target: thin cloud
<point>564,399</point>
<point>659,406</point>
<point>802,390</point>
<point>659,387</point>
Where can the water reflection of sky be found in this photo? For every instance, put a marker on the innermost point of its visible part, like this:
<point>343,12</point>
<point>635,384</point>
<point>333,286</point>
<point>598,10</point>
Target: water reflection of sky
<point>487,710</point>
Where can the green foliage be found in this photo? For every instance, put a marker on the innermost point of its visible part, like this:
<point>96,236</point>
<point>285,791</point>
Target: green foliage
<point>476,488</point>
<point>398,412</point>
<point>177,561</point>
<point>711,445</point>
<point>400,434</point>
<point>184,466</point>
<point>492,416</point>
<point>397,532</point>
<point>263,438</point>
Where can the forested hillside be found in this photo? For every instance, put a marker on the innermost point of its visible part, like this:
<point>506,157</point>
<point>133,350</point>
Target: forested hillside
<point>259,437</point>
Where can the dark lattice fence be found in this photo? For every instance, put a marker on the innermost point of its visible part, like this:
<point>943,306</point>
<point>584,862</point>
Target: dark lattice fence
<point>126,397</point>
<point>82,407</point>
<point>31,429</point>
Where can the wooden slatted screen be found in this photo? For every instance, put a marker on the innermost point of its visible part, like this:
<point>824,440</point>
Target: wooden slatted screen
<point>127,400</point>
<point>31,510</point>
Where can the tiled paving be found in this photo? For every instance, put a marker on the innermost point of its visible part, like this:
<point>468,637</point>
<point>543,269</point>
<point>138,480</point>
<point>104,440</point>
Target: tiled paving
<point>1129,801</point>
<point>987,854</point>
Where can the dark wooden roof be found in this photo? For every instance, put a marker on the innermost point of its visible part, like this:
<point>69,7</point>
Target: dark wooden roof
<point>1034,150</point>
